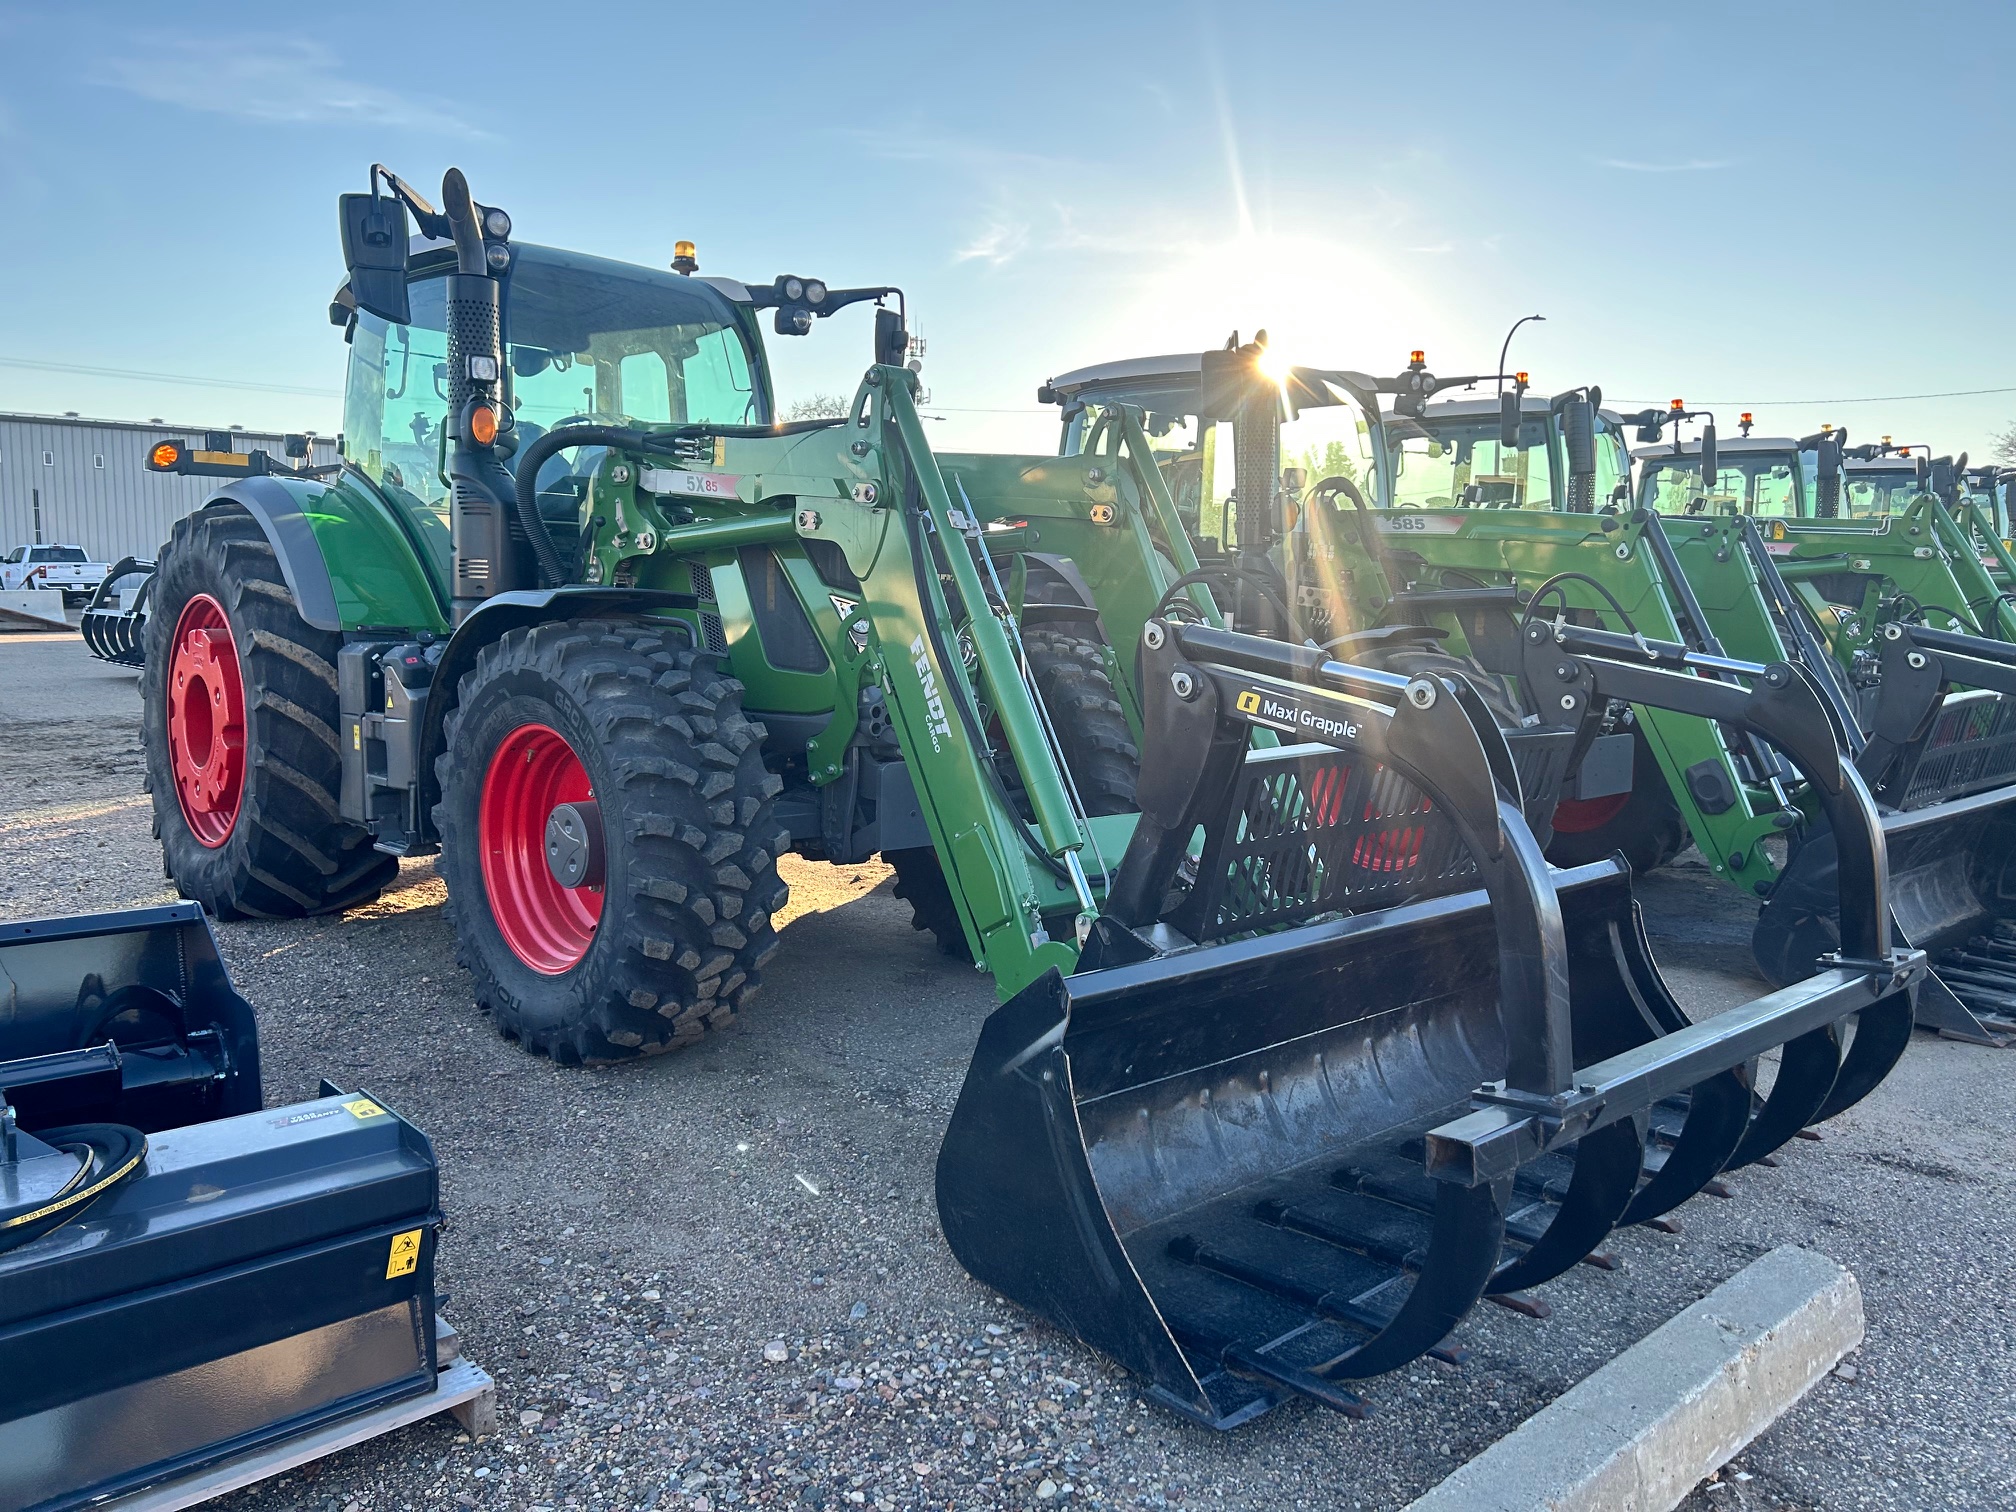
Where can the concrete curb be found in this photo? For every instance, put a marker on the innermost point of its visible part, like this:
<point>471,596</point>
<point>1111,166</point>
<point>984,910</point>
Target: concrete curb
<point>1649,1426</point>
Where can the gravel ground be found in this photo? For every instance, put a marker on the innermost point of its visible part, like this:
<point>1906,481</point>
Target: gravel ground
<point>715,1280</point>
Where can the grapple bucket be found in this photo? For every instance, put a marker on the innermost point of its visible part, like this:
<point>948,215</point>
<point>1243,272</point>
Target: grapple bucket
<point>123,1018</point>
<point>1942,766</point>
<point>114,628</point>
<point>1258,1165</point>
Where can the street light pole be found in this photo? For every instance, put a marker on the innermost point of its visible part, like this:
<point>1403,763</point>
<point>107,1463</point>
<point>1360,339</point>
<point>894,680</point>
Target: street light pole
<point>1508,346</point>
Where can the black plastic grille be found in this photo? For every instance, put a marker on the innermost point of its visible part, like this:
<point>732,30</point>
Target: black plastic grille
<point>1315,830</point>
<point>703,581</point>
<point>1972,748</point>
<point>789,641</point>
<point>711,631</point>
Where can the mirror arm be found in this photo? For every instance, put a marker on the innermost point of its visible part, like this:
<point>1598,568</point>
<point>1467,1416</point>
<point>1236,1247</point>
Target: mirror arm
<point>431,222</point>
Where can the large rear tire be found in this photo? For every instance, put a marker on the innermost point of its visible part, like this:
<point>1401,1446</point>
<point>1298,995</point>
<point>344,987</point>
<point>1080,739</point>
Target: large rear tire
<point>1069,670</point>
<point>625,717</point>
<point>239,721</point>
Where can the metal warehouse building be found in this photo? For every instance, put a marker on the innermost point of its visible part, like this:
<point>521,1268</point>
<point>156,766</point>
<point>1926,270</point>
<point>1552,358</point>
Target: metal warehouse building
<point>64,479</point>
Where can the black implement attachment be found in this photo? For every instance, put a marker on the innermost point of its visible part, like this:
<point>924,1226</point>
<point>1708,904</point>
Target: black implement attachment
<point>113,626</point>
<point>1941,764</point>
<point>1255,1165</point>
<point>123,1017</point>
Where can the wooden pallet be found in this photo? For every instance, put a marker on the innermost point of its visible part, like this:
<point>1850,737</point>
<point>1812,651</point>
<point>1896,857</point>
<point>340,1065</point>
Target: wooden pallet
<point>461,1388</point>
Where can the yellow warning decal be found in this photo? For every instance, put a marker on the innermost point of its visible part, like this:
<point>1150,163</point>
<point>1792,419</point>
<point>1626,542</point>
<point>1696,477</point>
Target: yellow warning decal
<point>1249,703</point>
<point>405,1256</point>
<point>363,1107</point>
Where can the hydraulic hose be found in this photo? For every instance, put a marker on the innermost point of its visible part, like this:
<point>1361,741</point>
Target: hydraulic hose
<point>552,572</point>
<point>107,1155</point>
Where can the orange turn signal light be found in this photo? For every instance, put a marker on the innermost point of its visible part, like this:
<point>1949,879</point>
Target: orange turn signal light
<point>483,425</point>
<point>1678,404</point>
<point>1417,358</point>
<point>1520,379</point>
<point>1748,419</point>
<point>164,456</point>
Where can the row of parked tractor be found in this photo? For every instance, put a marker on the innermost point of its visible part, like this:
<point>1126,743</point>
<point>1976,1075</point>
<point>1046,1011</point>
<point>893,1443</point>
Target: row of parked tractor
<point>1291,794</point>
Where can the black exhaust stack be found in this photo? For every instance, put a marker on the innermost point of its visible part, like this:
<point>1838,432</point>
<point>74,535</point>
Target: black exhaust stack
<point>480,519</point>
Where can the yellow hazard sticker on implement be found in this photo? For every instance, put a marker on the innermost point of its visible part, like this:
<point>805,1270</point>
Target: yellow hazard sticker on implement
<point>363,1107</point>
<point>405,1256</point>
<point>1249,703</point>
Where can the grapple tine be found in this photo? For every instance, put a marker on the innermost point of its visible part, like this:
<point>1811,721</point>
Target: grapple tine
<point>1806,1073</point>
<point>1607,1164</point>
<point>1718,1114</point>
<point>1882,1031</point>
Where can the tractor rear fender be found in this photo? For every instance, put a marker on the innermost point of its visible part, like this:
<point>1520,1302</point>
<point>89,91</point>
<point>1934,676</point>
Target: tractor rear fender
<point>276,505</point>
<point>349,560</point>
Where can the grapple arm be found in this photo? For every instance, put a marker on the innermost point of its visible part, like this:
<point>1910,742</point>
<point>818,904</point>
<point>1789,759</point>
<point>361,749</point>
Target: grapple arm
<point>1919,665</point>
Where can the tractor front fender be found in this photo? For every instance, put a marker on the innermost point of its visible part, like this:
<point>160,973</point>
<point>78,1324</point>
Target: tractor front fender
<point>504,612</point>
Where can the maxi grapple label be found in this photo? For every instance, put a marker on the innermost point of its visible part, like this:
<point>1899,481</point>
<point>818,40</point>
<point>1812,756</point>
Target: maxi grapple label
<point>1266,707</point>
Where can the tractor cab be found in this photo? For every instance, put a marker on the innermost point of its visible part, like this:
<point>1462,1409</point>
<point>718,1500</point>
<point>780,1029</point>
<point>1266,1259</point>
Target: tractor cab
<point>587,341</point>
<point>1881,486</point>
<point>1754,475</point>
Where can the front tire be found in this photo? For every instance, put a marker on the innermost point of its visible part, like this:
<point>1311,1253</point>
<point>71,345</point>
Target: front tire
<point>239,721</point>
<point>625,717</point>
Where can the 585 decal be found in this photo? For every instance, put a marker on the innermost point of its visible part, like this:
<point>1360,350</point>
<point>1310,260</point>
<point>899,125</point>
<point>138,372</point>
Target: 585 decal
<point>1414,522</point>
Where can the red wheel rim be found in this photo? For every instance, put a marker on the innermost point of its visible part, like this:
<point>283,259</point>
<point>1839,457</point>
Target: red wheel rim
<point>547,926</point>
<point>1578,816</point>
<point>206,721</point>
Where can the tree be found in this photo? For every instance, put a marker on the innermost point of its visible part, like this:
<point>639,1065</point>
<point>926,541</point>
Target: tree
<point>2004,442</point>
<point>817,407</point>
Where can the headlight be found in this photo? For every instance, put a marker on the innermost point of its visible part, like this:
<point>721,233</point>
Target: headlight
<point>496,224</point>
<point>794,288</point>
<point>815,292</point>
<point>499,256</point>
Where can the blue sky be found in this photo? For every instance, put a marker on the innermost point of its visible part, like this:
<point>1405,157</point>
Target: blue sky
<point>1749,205</point>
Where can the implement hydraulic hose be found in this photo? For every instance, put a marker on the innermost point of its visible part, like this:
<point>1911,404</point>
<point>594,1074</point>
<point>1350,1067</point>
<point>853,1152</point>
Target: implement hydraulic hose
<point>108,1154</point>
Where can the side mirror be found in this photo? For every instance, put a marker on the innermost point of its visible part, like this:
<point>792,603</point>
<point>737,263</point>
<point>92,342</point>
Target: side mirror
<point>374,250</point>
<point>1508,420</point>
<point>1711,460</point>
<point>892,339</point>
<point>298,446</point>
<point>1924,471</point>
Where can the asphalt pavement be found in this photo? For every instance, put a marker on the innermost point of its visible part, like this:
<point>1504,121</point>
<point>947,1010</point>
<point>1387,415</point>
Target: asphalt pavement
<point>716,1279</point>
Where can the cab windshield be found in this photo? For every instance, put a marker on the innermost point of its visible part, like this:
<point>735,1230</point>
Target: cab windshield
<point>1453,464</point>
<point>586,339</point>
<point>1760,485</point>
<point>1196,461</point>
<point>1884,491</point>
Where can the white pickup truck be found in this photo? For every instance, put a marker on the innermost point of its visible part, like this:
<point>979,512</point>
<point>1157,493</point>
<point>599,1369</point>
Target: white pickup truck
<point>68,568</point>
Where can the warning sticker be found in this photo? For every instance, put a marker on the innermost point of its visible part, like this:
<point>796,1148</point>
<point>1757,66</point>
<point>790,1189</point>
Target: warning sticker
<point>405,1256</point>
<point>363,1107</point>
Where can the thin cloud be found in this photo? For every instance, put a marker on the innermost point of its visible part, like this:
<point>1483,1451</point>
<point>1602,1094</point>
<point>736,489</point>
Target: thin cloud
<point>995,245</point>
<point>1692,165</point>
<point>275,80</point>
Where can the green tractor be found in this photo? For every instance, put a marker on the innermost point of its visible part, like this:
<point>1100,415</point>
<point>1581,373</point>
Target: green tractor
<point>1303,1049</point>
<point>1463,499</point>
